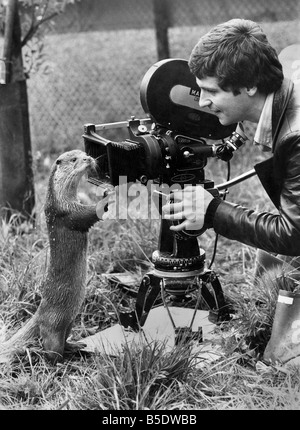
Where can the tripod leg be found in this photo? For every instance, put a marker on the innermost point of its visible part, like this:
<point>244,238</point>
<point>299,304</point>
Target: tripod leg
<point>207,296</point>
<point>219,312</point>
<point>147,294</point>
<point>153,283</point>
<point>197,303</point>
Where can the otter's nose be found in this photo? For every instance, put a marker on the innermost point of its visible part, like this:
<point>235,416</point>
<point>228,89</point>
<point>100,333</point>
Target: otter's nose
<point>89,160</point>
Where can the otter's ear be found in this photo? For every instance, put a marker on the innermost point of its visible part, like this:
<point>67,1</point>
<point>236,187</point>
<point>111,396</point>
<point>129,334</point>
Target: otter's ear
<point>58,161</point>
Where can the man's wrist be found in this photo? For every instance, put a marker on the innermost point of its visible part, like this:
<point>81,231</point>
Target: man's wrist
<point>210,212</point>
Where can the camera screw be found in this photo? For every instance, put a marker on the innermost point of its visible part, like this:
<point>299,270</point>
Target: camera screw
<point>167,158</point>
<point>187,154</point>
<point>142,128</point>
<point>143,179</point>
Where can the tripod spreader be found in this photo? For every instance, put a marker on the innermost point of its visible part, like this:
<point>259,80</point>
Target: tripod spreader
<point>154,283</point>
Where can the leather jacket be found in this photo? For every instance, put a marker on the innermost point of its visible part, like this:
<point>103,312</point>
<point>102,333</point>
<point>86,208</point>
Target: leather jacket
<point>280,176</point>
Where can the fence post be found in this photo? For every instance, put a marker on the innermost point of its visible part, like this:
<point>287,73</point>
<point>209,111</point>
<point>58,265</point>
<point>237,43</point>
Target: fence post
<point>16,174</point>
<point>161,22</point>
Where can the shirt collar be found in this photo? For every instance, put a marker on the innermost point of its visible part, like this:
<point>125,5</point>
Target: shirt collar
<point>263,134</point>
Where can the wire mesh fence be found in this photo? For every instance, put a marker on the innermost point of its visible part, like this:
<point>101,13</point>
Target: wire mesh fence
<point>100,50</point>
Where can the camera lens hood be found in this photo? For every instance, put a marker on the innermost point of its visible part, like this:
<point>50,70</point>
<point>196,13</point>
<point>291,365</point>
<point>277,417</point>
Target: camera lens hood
<point>170,95</point>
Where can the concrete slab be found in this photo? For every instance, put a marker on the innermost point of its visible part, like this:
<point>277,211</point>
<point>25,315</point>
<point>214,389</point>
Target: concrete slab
<point>159,327</point>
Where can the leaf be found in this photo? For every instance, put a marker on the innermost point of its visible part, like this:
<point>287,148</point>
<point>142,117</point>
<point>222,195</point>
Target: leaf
<point>3,284</point>
<point>5,228</point>
<point>2,332</point>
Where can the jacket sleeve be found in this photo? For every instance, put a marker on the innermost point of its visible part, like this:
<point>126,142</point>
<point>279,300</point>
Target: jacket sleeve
<point>278,233</point>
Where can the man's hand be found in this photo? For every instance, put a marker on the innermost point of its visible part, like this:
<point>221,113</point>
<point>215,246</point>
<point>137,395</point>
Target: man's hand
<point>188,205</point>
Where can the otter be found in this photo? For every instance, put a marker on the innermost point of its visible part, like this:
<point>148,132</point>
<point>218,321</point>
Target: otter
<point>63,291</point>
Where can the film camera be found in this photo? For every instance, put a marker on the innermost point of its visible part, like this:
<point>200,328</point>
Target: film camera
<point>170,146</point>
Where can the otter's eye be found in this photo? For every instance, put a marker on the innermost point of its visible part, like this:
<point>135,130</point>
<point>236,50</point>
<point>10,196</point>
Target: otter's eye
<point>58,161</point>
<point>73,160</point>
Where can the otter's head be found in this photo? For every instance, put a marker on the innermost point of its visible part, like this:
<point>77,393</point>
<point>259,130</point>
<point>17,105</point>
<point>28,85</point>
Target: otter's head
<point>68,170</point>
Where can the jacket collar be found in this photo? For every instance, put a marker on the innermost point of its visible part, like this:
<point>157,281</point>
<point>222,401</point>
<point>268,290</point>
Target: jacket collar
<point>280,102</point>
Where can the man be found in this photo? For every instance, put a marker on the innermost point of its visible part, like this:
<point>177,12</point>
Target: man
<point>241,78</point>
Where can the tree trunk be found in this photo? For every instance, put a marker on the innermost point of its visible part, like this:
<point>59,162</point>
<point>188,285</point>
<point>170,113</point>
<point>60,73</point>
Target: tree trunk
<point>161,21</point>
<point>16,175</point>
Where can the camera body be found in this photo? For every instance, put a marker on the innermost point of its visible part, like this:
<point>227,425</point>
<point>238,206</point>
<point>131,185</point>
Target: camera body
<point>173,143</point>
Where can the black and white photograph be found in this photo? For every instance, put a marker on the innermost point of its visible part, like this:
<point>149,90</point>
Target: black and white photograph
<point>149,208</point>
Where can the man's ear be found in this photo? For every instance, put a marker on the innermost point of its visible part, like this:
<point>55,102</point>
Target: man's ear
<point>251,91</point>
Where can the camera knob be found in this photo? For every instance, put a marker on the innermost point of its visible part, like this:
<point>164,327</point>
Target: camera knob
<point>142,128</point>
<point>143,179</point>
<point>187,154</point>
<point>167,159</point>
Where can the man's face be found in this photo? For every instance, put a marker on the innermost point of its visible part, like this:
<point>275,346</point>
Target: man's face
<point>229,108</point>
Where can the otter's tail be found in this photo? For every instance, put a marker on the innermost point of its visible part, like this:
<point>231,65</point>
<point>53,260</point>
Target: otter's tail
<point>18,342</point>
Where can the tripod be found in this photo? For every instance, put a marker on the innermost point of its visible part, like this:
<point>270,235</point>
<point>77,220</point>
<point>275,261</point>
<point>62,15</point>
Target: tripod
<point>178,270</point>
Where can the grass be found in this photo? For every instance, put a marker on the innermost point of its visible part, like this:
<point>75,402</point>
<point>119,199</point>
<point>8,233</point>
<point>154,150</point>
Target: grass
<point>143,377</point>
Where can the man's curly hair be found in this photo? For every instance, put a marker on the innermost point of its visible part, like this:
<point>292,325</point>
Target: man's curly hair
<point>239,55</point>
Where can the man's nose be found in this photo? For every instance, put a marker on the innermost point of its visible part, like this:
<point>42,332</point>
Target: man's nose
<point>204,101</point>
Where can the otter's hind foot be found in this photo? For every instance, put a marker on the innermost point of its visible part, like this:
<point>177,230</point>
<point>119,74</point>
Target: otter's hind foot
<point>53,345</point>
<point>73,347</point>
